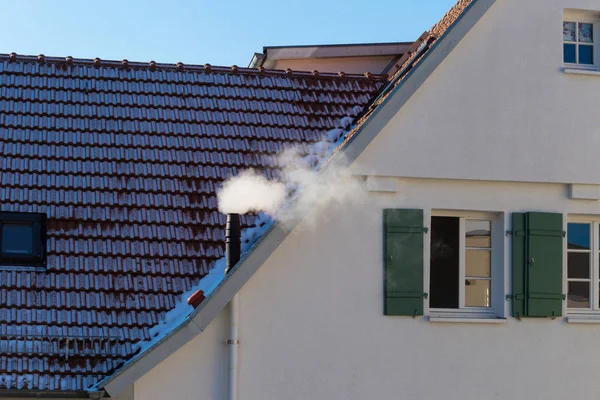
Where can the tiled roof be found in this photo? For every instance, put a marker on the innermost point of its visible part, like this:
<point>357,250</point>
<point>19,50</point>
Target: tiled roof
<point>124,158</point>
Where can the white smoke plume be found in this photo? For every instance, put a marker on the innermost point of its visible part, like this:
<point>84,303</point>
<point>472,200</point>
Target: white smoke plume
<point>250,191</point>
<point>300,188</point>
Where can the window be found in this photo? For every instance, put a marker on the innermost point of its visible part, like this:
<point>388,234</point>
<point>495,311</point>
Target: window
<point>581,30</point>
<point>461,263</point>
<point>578,43</point>
<point>582,266</point>
<point>22,239</point>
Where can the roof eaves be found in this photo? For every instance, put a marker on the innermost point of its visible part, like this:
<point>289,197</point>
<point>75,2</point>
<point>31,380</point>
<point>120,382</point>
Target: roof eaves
<point>374,44</point>
<point>336,50</point>
<point>257,60</point>
<point>43,394</point>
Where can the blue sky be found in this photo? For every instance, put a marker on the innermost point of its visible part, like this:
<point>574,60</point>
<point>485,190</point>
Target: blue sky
<point>220,32</point>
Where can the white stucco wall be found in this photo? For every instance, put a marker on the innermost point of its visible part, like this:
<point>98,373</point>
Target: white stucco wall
<point>196,371</point>
<point>312,324</point>
<point>313,327</point>
<point>500,107</point>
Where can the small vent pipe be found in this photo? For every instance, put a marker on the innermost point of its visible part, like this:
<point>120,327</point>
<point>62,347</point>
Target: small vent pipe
<point>232,241</point>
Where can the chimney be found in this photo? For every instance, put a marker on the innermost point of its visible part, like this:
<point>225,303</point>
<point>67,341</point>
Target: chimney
<point>232,253</point>
<point>232,241</point>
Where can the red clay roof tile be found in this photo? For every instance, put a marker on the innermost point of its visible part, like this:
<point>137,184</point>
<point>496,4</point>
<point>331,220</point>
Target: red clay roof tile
<point>125,158</point>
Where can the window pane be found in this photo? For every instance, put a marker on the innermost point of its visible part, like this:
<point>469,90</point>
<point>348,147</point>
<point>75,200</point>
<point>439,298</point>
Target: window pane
<point>578,236</point>
<point>477,293</point>
<point>17,239</point>
<point>569,32</point>
<point>579,295</point>
<point>569,50</point>
<point>586,54</point>
<point>444,267</point>
<point>586,34</point>
<point>579,265</point>
<point>478,263</point>
<point>478,233</point>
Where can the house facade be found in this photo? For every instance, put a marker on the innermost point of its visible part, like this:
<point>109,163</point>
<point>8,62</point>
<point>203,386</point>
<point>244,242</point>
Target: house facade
<point>472,269</point>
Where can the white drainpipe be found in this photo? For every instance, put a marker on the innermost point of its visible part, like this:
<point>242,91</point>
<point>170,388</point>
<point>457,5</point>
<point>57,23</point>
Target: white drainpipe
<point>233,342</point>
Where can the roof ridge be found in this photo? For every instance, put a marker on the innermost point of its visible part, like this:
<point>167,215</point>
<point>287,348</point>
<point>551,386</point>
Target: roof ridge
<point>207,68</point>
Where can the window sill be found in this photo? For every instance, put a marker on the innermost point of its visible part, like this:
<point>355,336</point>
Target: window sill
<point>581,71</point>
<point>466,319</point>
<point>583,319</point>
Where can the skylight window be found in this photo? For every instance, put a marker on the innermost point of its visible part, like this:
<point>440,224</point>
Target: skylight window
<point>22,239</point>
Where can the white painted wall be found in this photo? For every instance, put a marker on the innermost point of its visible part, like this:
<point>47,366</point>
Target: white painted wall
<point>196,371</point>
<point>500,107</point>
<point>312,324</point>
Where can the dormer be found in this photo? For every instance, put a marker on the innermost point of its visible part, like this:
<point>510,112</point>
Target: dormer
<point>350,58</point>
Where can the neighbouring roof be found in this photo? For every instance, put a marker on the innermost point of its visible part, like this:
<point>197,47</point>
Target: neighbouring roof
<point>124,158</point>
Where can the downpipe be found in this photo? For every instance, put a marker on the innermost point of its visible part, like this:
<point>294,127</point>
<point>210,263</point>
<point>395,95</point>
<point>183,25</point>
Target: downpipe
<point>233,344</point>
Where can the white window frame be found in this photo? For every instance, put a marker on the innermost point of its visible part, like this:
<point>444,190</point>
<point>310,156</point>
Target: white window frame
<point>594,222</point>
<point>496,264</point>
<point>583,17</point>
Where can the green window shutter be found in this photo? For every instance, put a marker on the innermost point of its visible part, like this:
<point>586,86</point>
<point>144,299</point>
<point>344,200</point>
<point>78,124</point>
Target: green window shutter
<point>403,261</point>
<point>537,257</point>
<point>518,265</point>
<point>545,259</point>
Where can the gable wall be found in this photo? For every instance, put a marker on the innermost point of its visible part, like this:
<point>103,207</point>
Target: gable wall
<point>195,371</point>
<point>312,326</point>
<point>499,107</point>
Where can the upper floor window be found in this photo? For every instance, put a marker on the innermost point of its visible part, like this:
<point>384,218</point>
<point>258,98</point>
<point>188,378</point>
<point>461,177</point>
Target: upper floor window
<point>22,239</point>
<point>578,43</point>
<point>581,36</point>
<point>461,261</point>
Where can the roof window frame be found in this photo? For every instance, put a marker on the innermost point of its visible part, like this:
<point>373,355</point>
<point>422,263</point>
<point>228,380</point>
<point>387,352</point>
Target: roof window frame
<point>38,222</point>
